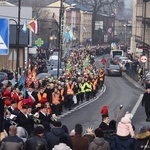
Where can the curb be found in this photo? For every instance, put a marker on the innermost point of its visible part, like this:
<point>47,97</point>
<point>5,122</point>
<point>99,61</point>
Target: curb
<point>84,103</point>
<point>134,82</point>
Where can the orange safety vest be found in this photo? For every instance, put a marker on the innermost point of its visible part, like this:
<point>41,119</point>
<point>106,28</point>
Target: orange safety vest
<point>70,89</point>
<point>56,98</point>
<point>94,84</point>
<point>101,77</point>
<point>62,93</point>
<point>40,97</point>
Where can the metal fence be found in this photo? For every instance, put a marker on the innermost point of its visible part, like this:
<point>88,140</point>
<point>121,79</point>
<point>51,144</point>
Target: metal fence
<point>133,74</point>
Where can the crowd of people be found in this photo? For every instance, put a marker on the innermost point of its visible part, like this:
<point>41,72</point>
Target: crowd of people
<point>31,122</point>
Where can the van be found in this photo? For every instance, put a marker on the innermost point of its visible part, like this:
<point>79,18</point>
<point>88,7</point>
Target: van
<point>113,53</point>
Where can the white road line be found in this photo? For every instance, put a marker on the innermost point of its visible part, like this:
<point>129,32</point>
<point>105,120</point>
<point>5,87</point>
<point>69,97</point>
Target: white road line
<point>83,104</point>
<point>137,105</point>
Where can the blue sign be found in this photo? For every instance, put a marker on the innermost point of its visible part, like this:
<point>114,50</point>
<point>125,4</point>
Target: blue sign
<point>4,36</point>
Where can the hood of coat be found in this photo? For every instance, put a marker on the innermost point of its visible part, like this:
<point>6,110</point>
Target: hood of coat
<point>57,131</point>
<point>125,120</point>
<point>143,135</point>
<point>99,141</point>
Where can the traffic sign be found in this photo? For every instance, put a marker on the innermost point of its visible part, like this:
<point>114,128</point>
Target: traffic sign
<point>39,42</point>
<point>143,59</point>
<point>4,36</point>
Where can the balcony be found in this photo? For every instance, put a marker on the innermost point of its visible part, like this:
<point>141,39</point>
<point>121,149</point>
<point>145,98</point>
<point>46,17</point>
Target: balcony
<point>146,1</point>
<point>146,21</point>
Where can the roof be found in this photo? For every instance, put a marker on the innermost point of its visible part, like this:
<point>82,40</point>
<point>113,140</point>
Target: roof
<point>79,6</point>
<point>4,3</point>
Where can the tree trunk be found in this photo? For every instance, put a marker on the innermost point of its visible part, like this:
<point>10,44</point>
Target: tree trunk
<point>93,27</point>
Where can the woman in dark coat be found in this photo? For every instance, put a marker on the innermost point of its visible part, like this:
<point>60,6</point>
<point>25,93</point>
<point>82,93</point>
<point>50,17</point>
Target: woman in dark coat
<point>143,139</point>
<point>146,103</point>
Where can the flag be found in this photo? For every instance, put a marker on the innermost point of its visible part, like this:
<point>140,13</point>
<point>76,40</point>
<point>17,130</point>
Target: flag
<point>21,84</point>
<point>83,29</point>
<point>32,25</point>
<point>110,30</point>
<point>24,29</point>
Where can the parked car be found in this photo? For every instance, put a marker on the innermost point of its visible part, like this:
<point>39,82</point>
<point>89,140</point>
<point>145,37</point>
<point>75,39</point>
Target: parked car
<point>41,76</point>
<point>114,70</point>
<point>53,64</point>
<point>3,76</point>
<point>54,72</point>
<point>122,63</point>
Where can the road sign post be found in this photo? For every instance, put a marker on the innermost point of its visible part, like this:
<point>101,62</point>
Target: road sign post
<point>4,36</point>
<point>143,59</point>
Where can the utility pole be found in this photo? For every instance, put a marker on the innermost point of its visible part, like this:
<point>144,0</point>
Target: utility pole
<point>59,37</point>
<point>18,40</point>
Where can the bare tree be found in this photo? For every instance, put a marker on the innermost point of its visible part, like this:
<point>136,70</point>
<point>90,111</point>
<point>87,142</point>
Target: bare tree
<point>96,5</point>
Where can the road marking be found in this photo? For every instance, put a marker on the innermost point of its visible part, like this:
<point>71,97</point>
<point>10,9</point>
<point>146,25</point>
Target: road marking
<point>137,105</point>
<point>83,104</point>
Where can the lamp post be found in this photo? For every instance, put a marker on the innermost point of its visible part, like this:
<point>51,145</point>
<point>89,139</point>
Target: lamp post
<point>59,36</point>
<point>17,40</point>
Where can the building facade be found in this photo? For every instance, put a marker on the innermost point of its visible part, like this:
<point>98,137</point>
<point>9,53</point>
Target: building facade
<point>140,41</point>
<point>10,11</point>
<point>77,21</point>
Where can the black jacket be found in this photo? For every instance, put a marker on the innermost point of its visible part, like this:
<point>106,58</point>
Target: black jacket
<point>12,142</point>
<point>53,137</point>
<point>146,100</point>
<point>44,118</point>
<point>36,143</point>
<point>26,123</point>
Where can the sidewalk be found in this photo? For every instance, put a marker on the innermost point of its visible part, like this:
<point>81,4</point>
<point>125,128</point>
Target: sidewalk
<point>133,81</point>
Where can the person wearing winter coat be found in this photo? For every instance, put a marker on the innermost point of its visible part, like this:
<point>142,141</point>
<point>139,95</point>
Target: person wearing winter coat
<point>125,127</point>
<point>125,134</point>
<point>78,141</point>
<point>12,142</point>
<point>53,137</point>
<point>22,133</point>
<point>89,134</point>
<point>146,104</point>
<point>99,143</point>
<point>37,142</point>
<point>142,139</point>
<point>62,144</point>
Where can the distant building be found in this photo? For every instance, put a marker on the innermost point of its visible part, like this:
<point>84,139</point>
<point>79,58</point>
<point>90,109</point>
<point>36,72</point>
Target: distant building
<point>10,11</point>
<point>77,20</point>
<point>140,42</point>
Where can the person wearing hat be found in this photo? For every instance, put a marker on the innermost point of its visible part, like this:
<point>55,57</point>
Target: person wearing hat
<point>13,108</point>
<point>99,142</point>
<point>32,93</point>
<point>105,122</point>
<point>43,114</point>
<point>24,120</point>
<point>142,138</point>
<point>37,141</point>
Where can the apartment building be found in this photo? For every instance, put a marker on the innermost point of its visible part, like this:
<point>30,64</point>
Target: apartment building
<point>140,41</point>
<point>77,20</point>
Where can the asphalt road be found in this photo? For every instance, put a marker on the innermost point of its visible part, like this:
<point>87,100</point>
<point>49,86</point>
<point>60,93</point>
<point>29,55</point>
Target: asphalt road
<point>119,90</point>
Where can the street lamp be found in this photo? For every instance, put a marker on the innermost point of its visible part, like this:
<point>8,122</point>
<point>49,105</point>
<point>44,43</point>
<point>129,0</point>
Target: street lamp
<point>17,40</point>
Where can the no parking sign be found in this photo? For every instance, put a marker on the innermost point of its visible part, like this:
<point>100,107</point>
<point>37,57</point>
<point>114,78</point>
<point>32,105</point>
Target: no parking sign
<point>143,59</point>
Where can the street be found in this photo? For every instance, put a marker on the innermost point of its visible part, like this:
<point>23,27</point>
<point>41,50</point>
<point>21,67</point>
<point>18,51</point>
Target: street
<point>118,91</point>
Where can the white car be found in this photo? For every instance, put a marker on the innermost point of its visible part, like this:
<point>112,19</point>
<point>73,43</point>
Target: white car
<point>122,63</point>
<point>53,57</point>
